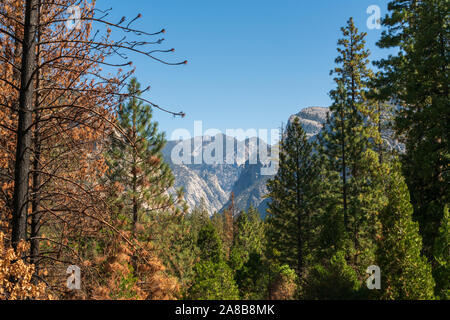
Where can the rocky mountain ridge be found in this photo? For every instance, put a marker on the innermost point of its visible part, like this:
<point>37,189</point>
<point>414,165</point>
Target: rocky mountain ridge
<point>214,183</point>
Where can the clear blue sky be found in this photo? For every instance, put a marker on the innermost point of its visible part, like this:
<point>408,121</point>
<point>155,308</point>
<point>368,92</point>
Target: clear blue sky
<point>252,63</point>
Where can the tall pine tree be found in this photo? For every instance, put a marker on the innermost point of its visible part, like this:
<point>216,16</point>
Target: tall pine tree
<point>417,81</point>
<point>140,180</point>
<point>350,144</point>
<point>442,258</point>
<point>249,236</point>
<point>406,274</point>
<point>214,279</point>
<point>292,195</point>
<point>246,256</point>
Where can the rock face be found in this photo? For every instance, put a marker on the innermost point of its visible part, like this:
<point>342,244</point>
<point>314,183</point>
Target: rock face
<point>250,189</point>
<point>312,119</point>
<point>216,182</point>
<point>211,180</point>
<point>201,185</point>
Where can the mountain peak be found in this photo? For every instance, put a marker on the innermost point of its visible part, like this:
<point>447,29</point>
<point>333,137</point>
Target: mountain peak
<point>312,119</point>
<point>214,183</point>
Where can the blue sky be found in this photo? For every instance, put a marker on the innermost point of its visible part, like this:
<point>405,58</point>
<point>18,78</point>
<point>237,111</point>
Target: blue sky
<point>252,63</point>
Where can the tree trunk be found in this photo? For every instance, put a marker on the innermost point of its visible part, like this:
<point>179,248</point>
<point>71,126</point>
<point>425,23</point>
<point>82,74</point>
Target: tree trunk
<point>22,165</point>
<point>35,202</point>
<point>344,171</point>
<point>299,218</point>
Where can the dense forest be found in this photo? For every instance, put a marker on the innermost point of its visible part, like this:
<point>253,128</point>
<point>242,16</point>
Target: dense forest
<point>84,183</point>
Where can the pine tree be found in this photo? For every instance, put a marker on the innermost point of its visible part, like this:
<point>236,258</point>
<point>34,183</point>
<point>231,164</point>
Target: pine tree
<point>441,271</point>
<point>210,244</point>
<point>292,193</point>
<point>176,247</point>
<point>197,219</point>
<point>229,226</point>
<point>416,80</point>
<point>332,279</point>
<point>140,180</point>
<point>252,278</point>
<point>135,161</point>
<point>217,220</point>
<point>283,285</point>
<point>249,237</point>
<point>406,274</point>
<point>246,257</point>
<point>214,279</point>
<point>350,143</point>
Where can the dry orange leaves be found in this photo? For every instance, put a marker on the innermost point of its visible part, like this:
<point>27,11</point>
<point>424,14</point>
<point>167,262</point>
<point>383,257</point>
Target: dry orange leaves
<point>16,275</point>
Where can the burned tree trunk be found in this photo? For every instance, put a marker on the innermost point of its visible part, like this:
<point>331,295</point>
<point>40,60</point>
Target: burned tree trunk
<point>22,165</point>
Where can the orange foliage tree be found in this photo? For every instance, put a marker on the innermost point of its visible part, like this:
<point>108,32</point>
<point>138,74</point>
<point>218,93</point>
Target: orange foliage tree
<point>56,108</point>
<point>16,275</point>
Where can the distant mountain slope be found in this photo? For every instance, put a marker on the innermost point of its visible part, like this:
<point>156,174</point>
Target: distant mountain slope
<point>312,119</point>
<point>199,185</point>
<point>212,182</point>
<point>250,188</point>
<point>215,182</point>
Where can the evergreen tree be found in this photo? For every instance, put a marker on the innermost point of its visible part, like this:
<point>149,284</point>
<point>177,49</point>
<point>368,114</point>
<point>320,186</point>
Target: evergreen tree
<point>283,284</point>
<point>246,257</point>
<point>140,181</point>
<point>249,237</point>
<point>349,144</point>
<point>135,162</point>
<point>217,219</point>
<point>252,278</point>
<point>176,247</point>
<point>406,274</point>
<point>332,279</point>
<point>197,219</point>
<point>416,80</point>
<point>228,226</point>
<point>292,194</point>
<point>441,271</point>
<point>214,279</point>
<point>210,244</point>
